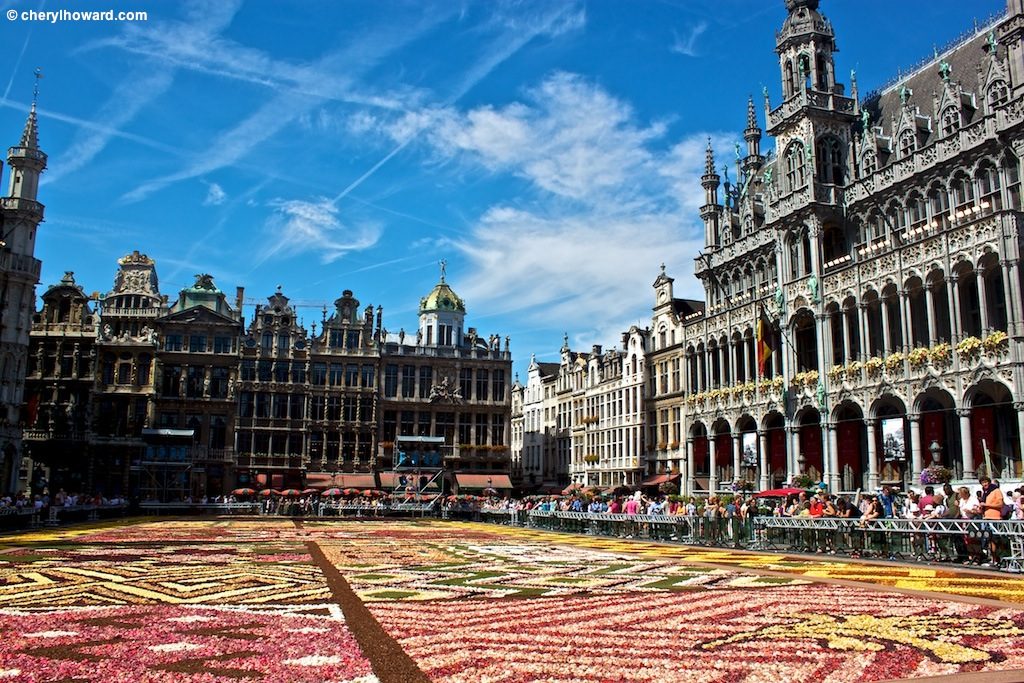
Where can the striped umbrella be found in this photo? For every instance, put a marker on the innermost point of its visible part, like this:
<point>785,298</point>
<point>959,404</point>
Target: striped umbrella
<point>291,493</point>
<point>243,492</point>
<point>267,493</point>
<point>331,492</point>
<point>310,492</point>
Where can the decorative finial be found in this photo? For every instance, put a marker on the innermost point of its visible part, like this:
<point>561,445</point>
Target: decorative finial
<point>751,114</point>
<point>662,267</point>
<point>444,265</point>
<point>279,289</point>
<point>35,88</point>
<point>709,159</point>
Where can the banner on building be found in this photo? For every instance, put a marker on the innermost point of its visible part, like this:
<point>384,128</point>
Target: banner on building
<point>750,449</point>
<point>893,444</point>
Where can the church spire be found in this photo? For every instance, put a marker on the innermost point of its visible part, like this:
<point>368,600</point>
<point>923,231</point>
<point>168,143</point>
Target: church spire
<point>30,136</point>
<point>26,160</point>
<point>752,134</point>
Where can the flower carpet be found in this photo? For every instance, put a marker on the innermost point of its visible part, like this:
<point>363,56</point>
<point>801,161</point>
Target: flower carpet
<point>365,601</point>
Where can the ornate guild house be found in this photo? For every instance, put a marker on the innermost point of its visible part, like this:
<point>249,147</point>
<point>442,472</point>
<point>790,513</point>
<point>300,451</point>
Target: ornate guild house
<point>879,249</point>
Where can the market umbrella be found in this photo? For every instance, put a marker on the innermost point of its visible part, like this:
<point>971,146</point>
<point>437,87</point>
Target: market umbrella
<point>331,492</point>
<point>310,492</point>
<point>350,492</point>
<point>267,493</point>
<point>491,492</point>
<point>369,493</point>
<point>291,493</point>
<point>570,488</point>
<point>243,492</point>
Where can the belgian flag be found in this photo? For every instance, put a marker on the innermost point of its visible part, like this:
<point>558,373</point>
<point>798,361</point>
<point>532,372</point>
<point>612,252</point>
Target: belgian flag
<point>765,342</point>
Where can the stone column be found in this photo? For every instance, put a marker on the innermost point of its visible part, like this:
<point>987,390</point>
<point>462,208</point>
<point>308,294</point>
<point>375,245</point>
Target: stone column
<point>834,478</point>
<point>929,298</point>
<point>967,444</point>
<point>793,455</point>
<point>916,462</point>
<point>1019,407</point>
<point>906,323</point>
<point>690,484</point>
<point>712,457</point>
<point>737,458</point>
<point>1011,283</point>
<point>883,304</point>
<point>954,305</point>
<point>762,439</point>
<point>865,347</point>
<point>979,281</point>
<point>872,455</point>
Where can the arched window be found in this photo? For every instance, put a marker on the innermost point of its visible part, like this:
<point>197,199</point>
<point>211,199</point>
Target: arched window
<point>950,121</point>
<point>989,187</point>
<point>917,210</point>
<point>821,68</point>
<point>938,203</point>
<point>830,161</point>
<point>908,143</point>
<point>868,163</point>
<point>1011,174</point>
<point>963,191</point>
<point>795,178</point>
<point>998,94</point>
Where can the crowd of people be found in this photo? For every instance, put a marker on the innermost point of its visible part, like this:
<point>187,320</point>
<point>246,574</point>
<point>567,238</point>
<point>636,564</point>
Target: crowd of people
<point>728,518</point>
<point>40,501</point>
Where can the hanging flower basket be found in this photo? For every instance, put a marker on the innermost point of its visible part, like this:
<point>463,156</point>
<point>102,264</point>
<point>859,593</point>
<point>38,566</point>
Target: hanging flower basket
<point>918,358</point>
<point>996,343</point>
<point>874,366</point>
<point>941,354</point>
<point>853,370</point>
<point>894,363</point>
<point>969,348</point>
<point>936,474</point>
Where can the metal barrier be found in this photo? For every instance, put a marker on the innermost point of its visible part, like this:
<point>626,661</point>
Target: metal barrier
<point>933,540</point>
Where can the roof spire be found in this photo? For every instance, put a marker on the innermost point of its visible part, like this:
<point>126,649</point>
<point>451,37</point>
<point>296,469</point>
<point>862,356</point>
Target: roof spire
<point>751,114</point>
<point>30,136</point>
<point>709,159</point>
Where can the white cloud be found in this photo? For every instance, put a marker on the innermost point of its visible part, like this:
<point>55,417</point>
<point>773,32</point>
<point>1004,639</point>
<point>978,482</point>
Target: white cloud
<point>584,271</point>
<point>688,46</point>
<point>215,195</point>
<point>298,227</point>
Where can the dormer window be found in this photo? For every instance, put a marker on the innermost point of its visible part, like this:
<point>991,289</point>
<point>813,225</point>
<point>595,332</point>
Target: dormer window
<point>950,121</point>
<point>908,144</point>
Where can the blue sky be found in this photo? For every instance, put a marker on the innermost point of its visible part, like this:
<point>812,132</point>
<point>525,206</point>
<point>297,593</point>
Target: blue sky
<point>550,151</point>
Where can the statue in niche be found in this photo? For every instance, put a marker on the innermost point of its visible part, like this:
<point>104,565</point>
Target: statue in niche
<point>780,300</point>
<point>812,286</point>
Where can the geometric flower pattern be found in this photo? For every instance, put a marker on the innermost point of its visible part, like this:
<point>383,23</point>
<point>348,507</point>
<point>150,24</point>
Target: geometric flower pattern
<point>272,600</point>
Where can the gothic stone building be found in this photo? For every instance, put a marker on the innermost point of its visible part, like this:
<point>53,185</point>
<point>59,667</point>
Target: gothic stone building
<point>20,216</point>
<point>167,400</point>
<point>882,239</point>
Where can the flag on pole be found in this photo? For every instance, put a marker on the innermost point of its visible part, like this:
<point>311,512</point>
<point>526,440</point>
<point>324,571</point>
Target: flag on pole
<point>765,342</point>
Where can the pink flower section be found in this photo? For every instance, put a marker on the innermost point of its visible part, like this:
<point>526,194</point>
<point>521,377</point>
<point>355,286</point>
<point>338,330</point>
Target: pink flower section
<point>168,644</point>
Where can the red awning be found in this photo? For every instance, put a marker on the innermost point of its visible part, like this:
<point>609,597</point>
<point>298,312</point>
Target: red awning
<point>779,493</point>
<point>357,481</point>
<point>659,479</point>
<point>319,480</point>
<point>483,481</point>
